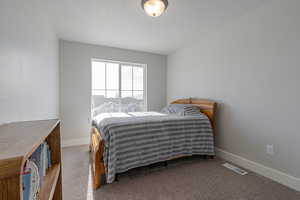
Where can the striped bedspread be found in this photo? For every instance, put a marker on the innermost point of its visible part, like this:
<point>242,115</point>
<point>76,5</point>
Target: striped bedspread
<point>138,139</point>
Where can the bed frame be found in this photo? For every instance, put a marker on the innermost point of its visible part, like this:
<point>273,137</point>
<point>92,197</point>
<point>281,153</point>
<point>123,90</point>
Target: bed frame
<point>97,143</point>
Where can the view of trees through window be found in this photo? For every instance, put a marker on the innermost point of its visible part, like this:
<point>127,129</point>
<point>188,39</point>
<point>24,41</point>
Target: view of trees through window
<point>117,87</point>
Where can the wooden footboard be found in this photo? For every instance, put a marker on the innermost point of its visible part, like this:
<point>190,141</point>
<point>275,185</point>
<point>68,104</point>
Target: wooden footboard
<point>96,158</point>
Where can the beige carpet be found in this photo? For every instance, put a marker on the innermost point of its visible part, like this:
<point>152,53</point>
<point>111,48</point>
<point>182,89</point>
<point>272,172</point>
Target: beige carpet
<point>185,179</point>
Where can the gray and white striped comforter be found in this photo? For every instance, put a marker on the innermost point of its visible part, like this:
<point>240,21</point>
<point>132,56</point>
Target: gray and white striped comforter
<point>138,139</point>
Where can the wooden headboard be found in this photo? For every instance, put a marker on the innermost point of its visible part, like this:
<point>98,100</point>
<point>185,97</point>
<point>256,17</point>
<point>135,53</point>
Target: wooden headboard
<point>205,106</point>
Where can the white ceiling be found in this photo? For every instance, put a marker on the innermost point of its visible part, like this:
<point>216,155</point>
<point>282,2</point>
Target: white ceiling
<point>123,23</point>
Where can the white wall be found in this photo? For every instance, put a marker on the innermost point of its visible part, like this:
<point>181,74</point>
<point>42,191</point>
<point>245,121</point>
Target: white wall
<point>28,63</point>
<point>75,83</point>
<point>251,67</point>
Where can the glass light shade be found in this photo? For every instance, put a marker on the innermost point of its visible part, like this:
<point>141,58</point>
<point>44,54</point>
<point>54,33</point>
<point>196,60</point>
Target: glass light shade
<point>154,8</point>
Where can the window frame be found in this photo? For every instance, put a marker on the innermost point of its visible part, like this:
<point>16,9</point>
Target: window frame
<point>120,64</point>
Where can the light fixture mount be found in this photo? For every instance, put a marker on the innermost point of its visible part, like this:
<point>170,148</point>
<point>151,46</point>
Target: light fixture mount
<point>154,8</point>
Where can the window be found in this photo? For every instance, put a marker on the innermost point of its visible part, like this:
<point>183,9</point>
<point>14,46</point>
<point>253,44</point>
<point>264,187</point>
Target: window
<point>118,87</point>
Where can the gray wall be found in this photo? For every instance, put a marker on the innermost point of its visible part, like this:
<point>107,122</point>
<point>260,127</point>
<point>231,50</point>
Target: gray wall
<point>75,82</point>
<point>28,63</point>
<point>251,67</point>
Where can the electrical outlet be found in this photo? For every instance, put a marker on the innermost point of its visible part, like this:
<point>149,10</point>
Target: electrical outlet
<point>270,149</point>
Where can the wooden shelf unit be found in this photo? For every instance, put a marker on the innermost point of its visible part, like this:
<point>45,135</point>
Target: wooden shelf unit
<point>17,143</point>
<point>50,182</point>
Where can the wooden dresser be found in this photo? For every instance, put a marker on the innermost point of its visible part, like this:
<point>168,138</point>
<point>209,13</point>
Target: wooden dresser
<point>17,142</point>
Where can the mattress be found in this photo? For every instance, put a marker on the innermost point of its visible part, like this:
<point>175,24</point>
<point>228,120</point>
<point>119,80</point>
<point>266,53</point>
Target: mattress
<point>141,138</point>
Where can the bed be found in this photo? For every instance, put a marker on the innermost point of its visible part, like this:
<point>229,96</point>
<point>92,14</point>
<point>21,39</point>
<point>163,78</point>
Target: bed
<point>123,141</point>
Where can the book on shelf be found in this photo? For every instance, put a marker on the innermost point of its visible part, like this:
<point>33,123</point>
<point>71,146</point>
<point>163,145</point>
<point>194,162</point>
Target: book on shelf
<point>35,170</point>
<point>26,184</point>
<point>49,156</point>
<point>31,181</point>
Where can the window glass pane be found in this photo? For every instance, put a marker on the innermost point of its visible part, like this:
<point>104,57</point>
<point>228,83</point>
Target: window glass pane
<point>106,94</point>
<point>112,76</point>
<point>98,99</point>
<point>126,77</point>
<point>98,92</point>
<point>108,105</point>
<point>131,104</point>
<point>104,104</point>
<point>98,75</point>
<point>138,95</point>
<point>138,78</point>
<point>112,94</point>
<point>126,93</point>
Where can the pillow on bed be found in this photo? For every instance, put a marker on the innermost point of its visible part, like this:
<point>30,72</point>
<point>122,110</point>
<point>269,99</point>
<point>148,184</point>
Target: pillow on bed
<point>181,109</point>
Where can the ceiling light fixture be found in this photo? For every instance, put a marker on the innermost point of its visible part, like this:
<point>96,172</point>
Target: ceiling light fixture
<point>154,8</point>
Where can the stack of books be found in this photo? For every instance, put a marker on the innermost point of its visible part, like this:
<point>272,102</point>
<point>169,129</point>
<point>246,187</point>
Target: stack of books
<point>35,170</point>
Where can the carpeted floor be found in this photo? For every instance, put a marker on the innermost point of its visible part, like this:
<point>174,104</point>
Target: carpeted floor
<point>184,179</point>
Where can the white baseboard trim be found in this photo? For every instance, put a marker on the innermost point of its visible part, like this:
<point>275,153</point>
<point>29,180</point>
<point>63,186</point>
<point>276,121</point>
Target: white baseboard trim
<point>275,175</point>
<point>75,142</point>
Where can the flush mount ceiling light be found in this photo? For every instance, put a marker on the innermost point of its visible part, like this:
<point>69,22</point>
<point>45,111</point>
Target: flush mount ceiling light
<point>154,8</point>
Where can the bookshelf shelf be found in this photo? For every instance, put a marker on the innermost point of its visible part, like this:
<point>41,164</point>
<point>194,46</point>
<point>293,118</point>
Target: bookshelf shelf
<point>17,143</point>
<point>50,181</point>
